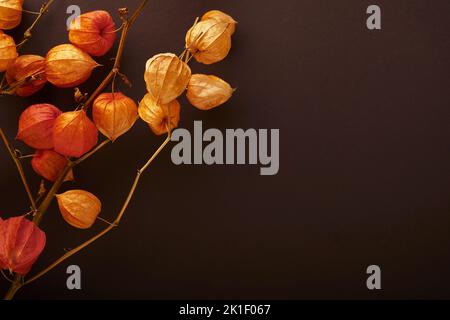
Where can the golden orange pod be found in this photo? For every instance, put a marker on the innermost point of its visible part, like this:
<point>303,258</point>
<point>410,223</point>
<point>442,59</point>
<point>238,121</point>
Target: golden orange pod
<point>79,208</point>
<point>8,51</point>
<point>223,17</point>
<point>74,134</point>
<point>207,92</point>
<point>166,77</point>
<point>10,13</point>
<point>160,118</point>
<point>67,66</point>
<point>28,72</point>
<point>114,114</point>
<point>209,41</point>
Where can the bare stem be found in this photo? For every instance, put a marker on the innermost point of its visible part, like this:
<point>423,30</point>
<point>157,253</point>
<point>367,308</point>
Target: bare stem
<point>29,32</point>
<point>110,226</point>
<point>16,159</point>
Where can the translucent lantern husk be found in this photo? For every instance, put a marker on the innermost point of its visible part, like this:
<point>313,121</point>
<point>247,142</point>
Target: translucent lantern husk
<point>166,77</point>
<point>67,66</point>
<point>157,115</point>
<point>79,208</point>
<point>93,32</point>
<point>209,41</point>
<point>207,92</point>
<point>21,243</point>
<point>114,114</point>
<point>10,13</point>
<point>8,51</point>
<point>49,165</point>
<point>223,17</point>
<point>27,74</point>
<point>74,134</point>
<point>36,125</point>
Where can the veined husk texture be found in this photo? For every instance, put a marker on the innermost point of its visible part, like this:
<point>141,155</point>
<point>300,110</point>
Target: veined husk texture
<point>8,51</point>
<point>10,13</point>
<point>207,92</point>
<point>79,208</point>
<point>67,66</point>
<point>166,77</point>
<point>209,41</point>
<point>159,117</point>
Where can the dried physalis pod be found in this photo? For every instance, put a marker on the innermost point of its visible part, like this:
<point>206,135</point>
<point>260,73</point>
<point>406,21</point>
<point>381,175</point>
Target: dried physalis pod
<point>27,73</point>
<point>21,243</point>
<point>209,41</point>
<point>223,17</point>
<point>36,125</point>
<point>10,13</point>
<point>157,116</point>
<point>50,164</point>
<point>94,32</point>
<point>74,134</point>
<point>166,77</point>
<point>79,208</point>
<point>67,66</point>
<point>8,51</point>
<point>114,114</point>
<point>208,92</point>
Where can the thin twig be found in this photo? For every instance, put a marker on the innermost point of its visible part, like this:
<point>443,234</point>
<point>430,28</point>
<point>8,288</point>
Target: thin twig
<point>16,160</point>
<point>111,225</point>
<point>29,32</point>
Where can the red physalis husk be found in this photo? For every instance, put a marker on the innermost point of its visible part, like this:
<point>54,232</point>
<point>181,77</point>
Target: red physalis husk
<point>36,125</point>
<point>166,77</point>
<point>114,114</point>
<point>50,164</point>
<point>21,243</point>
<point>93,32</point>
<point>74,134</point>
<point>28,72</point>
<point>79,208</point>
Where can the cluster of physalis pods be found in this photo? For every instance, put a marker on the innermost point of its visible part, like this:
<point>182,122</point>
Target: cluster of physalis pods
<point>63,139</point>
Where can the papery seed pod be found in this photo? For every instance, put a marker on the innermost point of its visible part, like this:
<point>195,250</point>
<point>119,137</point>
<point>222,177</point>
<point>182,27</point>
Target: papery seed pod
<point>74,134</point>
<point>50,164</point>
<point>27,72</point>
<point>79,208</point>
<point>10,13</point>
<point>36,125</point>
<point>223,17</point>
<point>67,66</point>
<point>8,51</point>
<point>166,77</point>
<point>207,92</point>
<point>93,32</point>
<point>114,114</point>
<point>157,116</point>
<point>209,41</point>
<point>21,243</point>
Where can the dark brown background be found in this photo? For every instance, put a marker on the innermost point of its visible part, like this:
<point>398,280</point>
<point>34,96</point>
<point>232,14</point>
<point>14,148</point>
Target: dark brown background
<point>364,173</point>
